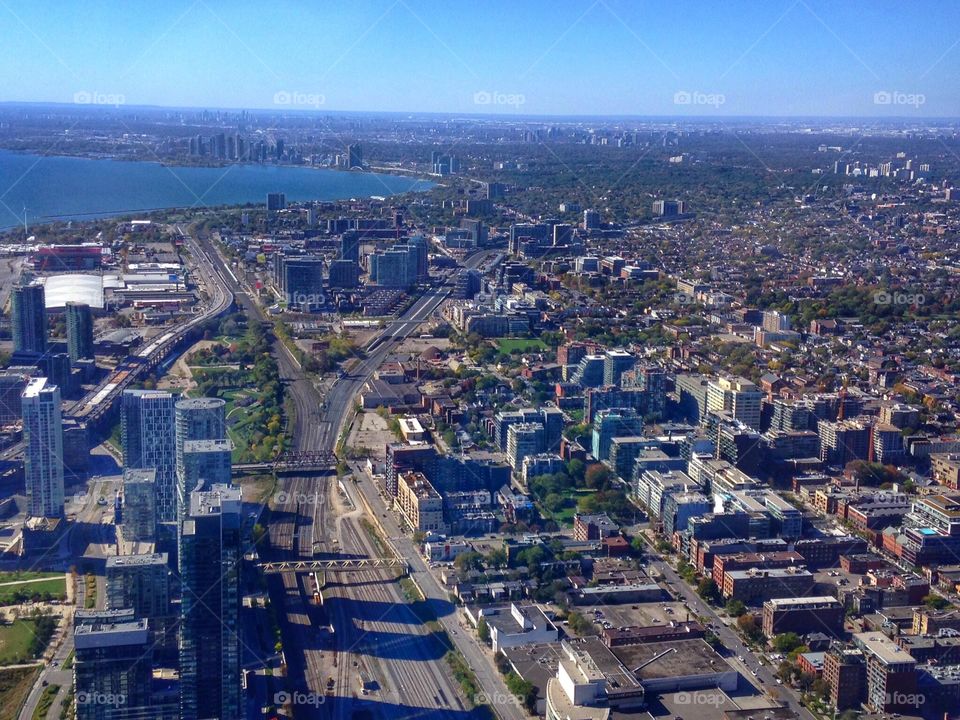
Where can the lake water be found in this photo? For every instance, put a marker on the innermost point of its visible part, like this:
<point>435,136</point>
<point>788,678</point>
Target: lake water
<point>57,188</point>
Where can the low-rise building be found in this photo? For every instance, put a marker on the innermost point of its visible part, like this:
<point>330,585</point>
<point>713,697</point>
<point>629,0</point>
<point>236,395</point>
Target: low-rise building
<point>420,503</point>
<point>802,615</point>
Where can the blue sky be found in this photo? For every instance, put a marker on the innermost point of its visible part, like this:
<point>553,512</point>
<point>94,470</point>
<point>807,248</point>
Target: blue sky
<point>609,57</point>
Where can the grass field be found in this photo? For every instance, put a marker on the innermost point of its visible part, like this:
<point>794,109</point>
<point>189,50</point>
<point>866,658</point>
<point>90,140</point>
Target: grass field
<point>505,346</point>
<point>15,641</point>
<point>15,685</point>
<point>55,587</point>
<point>565,516</point>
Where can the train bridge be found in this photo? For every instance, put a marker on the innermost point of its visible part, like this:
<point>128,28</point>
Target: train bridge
<point>325,566</point>
<point>292,463</point>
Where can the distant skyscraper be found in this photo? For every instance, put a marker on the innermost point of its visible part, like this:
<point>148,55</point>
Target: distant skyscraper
<point>276,201</point>
<point>149,441</point>
<point>354,156</point>
<point>112,667</point>
<point>209,561</point>
<point>591,220</point>
<point>43,455</point>
<point>79,331</point>
<point>28,319</point>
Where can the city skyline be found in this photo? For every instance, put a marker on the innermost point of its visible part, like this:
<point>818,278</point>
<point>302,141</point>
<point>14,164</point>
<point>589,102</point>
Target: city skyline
<point>605,58</point>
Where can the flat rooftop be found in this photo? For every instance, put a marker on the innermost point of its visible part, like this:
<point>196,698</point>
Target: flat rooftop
<point>688,657</point>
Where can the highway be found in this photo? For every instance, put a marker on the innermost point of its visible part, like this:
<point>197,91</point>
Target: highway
<point>365,610</point>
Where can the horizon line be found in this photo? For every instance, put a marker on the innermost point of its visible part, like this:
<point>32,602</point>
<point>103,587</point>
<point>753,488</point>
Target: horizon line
<point>315,112</point>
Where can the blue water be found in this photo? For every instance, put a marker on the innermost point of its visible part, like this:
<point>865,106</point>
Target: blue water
<point>57,188</point>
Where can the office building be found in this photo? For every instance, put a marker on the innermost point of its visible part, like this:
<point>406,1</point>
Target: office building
<point>396,267</point>
<point>209,564</point>
<point>12,385</point>
<point>79,331</point>
<point>845,671</point>
<point>608,424</point>
<point>276,201</point>
<point>199,419</point>
<point>28,319</point>
<point>112,667</point>
<point>669,208</point>
<point>891,673</point>
<point>139,505</point>
<point>205,463</point>
<point>800,614</point>
<point>843,441</point>
<point>615,364</point>
<point>737,395</point>
<point>344,274</point>
<point>523,439</point>
<point>420,503</point>
<point>354,156</point>
<point>301,282</point>
<point>350,245</point>
<point>591,220</point>
<point>147,422</point>
<point>43,451</point>
<point>140,583</point>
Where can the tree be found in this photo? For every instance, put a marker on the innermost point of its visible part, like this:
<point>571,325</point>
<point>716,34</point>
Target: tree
<point>748,625</point>
<point>468,561</point>
<point>735,608</point>
<point>596,476</point>
<point>524,690</point>
<point>497,558</point>
<point>578,623</point>
<point>935,602</point>
<point>483,631</point>
<point>707,589</point>
<point>787,642</point>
